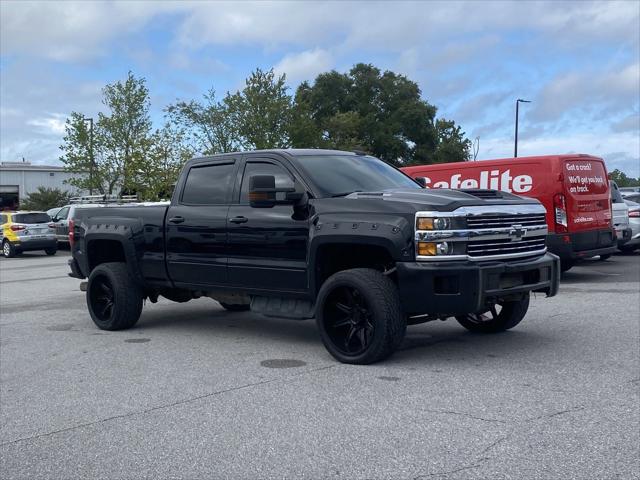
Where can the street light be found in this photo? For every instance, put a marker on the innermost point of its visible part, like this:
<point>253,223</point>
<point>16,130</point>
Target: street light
<point>518,101</point>
<point>91,165</point>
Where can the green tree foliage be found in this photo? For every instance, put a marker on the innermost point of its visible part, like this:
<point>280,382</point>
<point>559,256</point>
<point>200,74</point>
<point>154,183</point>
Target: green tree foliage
<point>452,144</point>
<point>208,124</point>
<point>262,111</point>
<point>380,112</point>
<point>45,198</point>
<point>77,154</point>
<point>622,180</point>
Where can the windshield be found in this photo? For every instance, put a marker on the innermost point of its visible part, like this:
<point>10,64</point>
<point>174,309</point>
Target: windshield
<point>338,175</point>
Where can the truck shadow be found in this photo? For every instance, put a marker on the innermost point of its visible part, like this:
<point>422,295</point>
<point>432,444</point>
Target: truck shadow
<point>437,342</point>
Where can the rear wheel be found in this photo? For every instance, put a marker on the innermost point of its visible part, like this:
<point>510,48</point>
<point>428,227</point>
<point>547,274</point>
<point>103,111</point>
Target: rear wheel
<point>8,250</point>
<point>113,298</point>
<point>235,307</point>
<point>51,251</point>
<point>500,317</point>
<point>359,316</point>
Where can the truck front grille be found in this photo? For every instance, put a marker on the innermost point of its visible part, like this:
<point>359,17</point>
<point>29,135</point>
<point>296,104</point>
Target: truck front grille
<point>497,221</point>
<point>487,248</point>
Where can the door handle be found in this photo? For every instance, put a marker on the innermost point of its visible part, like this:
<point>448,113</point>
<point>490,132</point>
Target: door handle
<point>176,219</point>
<point>239,220</point>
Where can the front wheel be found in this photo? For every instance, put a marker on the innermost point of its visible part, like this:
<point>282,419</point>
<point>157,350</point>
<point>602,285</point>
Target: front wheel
<point>500,317</point>
<point>51,251</point>
<point>359,316</point>
<point>113,297</point>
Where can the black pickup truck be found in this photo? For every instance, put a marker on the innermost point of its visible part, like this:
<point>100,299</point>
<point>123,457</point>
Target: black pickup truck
<point>338,236</point>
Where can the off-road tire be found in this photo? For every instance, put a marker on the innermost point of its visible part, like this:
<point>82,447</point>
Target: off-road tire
<point>235,307</point>
<point>384,313</point>
<point>8,250</point>
<point>510,315</point>
<point>51,251</point>
<point>127,297</point>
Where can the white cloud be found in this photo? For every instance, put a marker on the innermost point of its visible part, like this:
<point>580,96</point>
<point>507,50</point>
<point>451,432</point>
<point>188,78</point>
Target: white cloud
<point>53,124</point>
<point>304,65</point>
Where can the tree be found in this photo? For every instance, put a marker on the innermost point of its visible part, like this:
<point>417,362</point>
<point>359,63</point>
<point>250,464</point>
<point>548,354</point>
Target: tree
<point>159,170</point>
<point>622,180</point>
<point>452,144</point>
<point>121,139</point>
<point>45,198</point>
<point>379,112</point>
<point>262,111</point>
<point>207,124</point>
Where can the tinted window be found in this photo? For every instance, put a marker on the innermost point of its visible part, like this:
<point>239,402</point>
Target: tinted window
<point>615,193</point>
<point>283,179</point>
<point>342,174</point>
<point>62,214</point>
<point>3,219</point>
<point>31,218</point>
<point>208,185</point>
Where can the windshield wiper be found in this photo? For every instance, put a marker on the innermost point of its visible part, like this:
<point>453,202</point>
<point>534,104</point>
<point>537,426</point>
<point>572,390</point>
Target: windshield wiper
<point>344,194</point>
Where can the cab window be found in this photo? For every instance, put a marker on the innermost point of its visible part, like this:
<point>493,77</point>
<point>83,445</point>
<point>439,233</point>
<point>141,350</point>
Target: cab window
<point>3,219</point>
<point>283,178</point>
<point>208,184</point>
<point>62,213</point>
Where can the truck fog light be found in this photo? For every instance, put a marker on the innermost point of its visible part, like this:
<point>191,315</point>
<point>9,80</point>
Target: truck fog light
<point>432,249</point>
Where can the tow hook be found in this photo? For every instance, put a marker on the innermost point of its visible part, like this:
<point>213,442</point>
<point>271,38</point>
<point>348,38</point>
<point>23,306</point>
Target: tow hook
<point>83,286</point>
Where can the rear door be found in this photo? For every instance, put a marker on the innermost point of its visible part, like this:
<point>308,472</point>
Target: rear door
<point>586,190</point>
<point>196,223</point>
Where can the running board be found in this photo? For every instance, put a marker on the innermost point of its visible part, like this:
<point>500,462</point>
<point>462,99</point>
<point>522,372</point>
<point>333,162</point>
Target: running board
<point>291,308</point>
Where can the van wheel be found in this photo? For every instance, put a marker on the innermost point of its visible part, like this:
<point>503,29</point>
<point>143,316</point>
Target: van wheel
<point>113,298</point>
<point>235,307</point>
<point>8,250</point>
<point>50,251</point>
<point>500,317</point>
<point>359,316</point>
<point>566,265</point>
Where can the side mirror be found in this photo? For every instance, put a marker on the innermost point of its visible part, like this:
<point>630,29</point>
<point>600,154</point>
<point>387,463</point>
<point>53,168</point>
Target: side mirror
<point>422,181</point>
<point>263,192</point>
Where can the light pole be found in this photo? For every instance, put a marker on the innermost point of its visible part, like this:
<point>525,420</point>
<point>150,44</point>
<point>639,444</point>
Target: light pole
<point>91,159</point>
<point>518,102</point>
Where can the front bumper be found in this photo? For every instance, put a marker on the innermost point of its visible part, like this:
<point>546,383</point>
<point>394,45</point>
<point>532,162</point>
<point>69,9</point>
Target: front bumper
<point>454,288</point>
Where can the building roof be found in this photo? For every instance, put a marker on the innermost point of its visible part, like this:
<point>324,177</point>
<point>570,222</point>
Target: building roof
<point>27,166</point>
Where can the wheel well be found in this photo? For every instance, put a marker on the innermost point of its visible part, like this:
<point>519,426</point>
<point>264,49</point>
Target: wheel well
<point>334,258</point>
<point>103,251</point>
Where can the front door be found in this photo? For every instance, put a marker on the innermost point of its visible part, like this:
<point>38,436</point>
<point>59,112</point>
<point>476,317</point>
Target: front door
<point>196,223</point>
<point>267,246</point>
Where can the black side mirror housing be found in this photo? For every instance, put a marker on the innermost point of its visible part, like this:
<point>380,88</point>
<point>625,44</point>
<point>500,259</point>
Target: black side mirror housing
<point>263,192</point>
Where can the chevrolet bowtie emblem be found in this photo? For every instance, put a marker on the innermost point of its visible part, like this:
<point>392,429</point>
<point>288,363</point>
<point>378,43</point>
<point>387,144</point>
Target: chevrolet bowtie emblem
<point>517,232</point>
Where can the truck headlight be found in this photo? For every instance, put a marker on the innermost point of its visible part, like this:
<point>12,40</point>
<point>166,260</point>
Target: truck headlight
<point>428,223</point>
<point>432,249</point>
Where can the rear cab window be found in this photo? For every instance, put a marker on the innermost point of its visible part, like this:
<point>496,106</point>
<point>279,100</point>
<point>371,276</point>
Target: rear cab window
<point>30,218</point>
<point>209,184</point>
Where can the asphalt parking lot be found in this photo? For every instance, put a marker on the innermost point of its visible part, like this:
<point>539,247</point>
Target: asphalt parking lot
<point>196,392</point>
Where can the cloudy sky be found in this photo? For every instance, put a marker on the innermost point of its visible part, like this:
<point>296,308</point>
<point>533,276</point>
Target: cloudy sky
<point>579,62</point>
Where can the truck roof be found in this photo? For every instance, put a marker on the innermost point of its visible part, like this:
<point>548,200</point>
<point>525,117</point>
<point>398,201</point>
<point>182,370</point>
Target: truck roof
<point>296,152</point>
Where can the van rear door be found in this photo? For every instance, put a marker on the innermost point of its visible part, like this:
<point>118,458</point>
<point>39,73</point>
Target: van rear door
<point>586,190</point>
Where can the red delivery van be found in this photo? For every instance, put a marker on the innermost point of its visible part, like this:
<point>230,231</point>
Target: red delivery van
<point>573,188</point>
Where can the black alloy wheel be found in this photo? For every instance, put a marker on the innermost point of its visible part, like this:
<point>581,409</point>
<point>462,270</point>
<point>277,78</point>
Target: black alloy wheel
<point>102,298</point>
<point>501,316</point>
<point>347,320</point>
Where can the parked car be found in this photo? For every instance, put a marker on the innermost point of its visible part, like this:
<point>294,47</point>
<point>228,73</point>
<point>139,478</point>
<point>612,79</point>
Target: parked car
<point>339,236</point>
<point>573,188</point>
<point>620,213</point>
<point>52,211</point>
<point>61,219</point>
<point>634,197</point>
<point>634,224</point>
<point>24,231</point>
